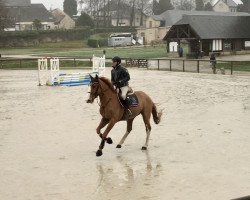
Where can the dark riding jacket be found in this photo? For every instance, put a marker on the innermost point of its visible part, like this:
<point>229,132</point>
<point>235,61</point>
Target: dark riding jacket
<point>120,76</point>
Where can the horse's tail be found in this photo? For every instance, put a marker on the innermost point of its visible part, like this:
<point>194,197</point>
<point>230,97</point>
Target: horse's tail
<point>156,115</point>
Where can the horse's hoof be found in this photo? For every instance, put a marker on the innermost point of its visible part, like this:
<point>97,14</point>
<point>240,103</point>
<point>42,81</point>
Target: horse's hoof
<point>99,153</point>
<point>109,140</point>
<point>144,148</point>
<point>119,146</point>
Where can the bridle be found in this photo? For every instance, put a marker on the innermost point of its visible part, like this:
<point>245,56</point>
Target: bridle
<point>95,93</point>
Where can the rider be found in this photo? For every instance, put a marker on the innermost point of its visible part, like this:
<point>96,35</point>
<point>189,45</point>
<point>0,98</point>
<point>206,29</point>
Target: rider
<point>119,78</point>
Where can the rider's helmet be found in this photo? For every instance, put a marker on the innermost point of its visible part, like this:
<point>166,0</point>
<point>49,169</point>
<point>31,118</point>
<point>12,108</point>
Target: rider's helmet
<point>117,59</point>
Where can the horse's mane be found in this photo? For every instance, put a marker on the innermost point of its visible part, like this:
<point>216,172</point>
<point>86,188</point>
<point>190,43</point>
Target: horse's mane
<point>107,82</point>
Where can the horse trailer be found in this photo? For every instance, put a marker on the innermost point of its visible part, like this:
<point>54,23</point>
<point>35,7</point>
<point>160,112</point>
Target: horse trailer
<point>120,39</point>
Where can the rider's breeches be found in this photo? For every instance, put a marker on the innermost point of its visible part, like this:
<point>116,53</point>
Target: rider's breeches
<point>124,91</point>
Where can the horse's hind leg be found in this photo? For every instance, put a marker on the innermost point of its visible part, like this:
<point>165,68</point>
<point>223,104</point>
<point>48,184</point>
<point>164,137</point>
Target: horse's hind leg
<point>146,119</point>
<point>129,129</point>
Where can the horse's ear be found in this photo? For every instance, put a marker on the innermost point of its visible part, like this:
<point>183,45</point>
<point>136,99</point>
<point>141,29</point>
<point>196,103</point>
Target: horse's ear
<point>96,76</point>
<point>91,78</point>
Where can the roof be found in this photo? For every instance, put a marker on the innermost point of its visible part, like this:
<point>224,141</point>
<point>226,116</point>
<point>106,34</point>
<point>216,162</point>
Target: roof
<point>17,3</point>
<point>29,14</point>
<point>230,3</point>
<point>59,15</point>
<point>218,27</point>
<point>172,16</point>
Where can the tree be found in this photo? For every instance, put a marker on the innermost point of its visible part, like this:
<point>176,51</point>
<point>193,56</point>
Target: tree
<point>37,24</point>
<point>245,7</point>
<point>208,7</point>
<point>199,4</point>
<point>142,6</point>
<point>70,7</point>
<point>162,6</point>
<point>132,14</point>
<point>4,20</point>
<point>156,8</point>
<point>85,20</point>
<point>185,5</point>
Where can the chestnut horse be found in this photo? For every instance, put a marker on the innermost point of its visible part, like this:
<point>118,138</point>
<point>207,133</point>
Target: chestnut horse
<point>112,111</point>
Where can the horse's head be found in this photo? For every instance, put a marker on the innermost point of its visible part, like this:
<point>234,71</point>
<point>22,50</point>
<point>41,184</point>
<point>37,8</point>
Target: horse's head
<point>94,88</point>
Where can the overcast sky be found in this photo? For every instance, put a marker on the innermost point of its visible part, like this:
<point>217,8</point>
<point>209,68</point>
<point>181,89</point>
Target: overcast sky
<point>50,3</point>
<point>59,3</point>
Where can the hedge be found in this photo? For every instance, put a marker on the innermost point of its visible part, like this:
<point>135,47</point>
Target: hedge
<point>98,42</point>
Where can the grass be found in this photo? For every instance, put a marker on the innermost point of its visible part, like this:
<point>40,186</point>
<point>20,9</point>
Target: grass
<point>80,49</point>
<point>237,66</point>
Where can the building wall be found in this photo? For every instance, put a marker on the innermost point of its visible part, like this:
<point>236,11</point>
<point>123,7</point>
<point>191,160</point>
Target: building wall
<point>24,26</point>
<point>152,23</point>
<point>126,21</point>
<point>220,6</point>
<point>152,34</point>
<point>67,23</point>
<point>152,30</point>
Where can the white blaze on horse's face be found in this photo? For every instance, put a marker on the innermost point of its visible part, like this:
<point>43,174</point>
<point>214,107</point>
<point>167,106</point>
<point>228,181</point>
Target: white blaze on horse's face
<point>89,89</point>
<point>93,92</point>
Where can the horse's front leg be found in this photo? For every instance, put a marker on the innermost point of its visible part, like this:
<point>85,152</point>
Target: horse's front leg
<point>104,136</point>
<point>103,123</point>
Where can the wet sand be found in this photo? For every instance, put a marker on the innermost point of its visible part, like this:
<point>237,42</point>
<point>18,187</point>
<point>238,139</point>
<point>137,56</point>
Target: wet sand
<point>199,151</point>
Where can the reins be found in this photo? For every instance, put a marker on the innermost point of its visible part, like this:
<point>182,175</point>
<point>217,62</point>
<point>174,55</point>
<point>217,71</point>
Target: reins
<point>102,92</point>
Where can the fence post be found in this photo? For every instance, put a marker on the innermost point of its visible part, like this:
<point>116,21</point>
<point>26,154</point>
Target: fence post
<point>183,66</point>
<point>74,62</point>
<point>20,61</point>
<point>158,64</point>
<point>198,66</point>
<point>170,63</point>
<point>231,67</point>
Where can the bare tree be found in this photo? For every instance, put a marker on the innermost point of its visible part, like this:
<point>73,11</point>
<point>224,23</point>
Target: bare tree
<point>185,4</point>
<point>4,19</point>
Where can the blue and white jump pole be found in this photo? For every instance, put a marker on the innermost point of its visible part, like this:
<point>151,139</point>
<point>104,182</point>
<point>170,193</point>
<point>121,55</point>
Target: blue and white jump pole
<point>55,77</point>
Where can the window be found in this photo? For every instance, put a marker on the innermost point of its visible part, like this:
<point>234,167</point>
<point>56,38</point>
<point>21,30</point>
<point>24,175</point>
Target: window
<point>150,24</point>
<point>217,45</point>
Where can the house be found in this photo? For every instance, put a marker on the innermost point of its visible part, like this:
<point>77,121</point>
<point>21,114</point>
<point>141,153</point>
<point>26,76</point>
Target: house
<point>225,5</point>
<point>157,26</point>
<point>153,30</point>
<point>62,20</point>
<point>120,15</point>
<point>23,14</point>
<point>207,33</point>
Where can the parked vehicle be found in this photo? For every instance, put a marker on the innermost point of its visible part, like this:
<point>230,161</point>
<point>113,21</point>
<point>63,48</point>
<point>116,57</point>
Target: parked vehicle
<point>120,39</point>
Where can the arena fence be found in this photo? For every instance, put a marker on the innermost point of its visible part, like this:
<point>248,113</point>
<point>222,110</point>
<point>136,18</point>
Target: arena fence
<point>190,65</point>
<point>169,64</point>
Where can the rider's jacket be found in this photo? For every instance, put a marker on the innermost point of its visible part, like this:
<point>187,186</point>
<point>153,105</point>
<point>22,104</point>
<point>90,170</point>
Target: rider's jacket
<point>120,76</point>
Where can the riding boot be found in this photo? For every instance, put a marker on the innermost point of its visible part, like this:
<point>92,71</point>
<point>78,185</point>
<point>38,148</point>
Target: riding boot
<point>126,106</point>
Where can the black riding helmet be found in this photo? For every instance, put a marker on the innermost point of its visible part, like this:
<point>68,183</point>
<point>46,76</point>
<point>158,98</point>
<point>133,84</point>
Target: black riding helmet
<point>117,59</point>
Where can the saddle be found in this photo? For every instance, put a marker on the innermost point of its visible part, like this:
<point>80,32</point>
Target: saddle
<point>131,98</point>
